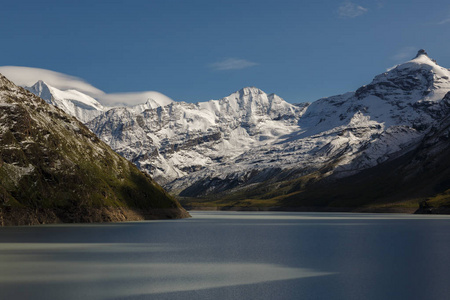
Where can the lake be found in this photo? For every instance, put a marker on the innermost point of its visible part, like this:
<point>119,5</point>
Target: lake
<point>232,255</point>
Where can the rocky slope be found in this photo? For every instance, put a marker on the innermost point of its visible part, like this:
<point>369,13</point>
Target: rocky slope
<point>53,169</point>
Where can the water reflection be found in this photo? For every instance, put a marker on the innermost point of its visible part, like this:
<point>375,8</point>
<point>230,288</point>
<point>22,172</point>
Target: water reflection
<point>30,248</point>
<point>231,256</point>
<point>127,279</point>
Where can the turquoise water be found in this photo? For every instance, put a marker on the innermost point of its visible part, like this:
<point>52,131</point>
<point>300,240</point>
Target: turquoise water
<point>231,255</point>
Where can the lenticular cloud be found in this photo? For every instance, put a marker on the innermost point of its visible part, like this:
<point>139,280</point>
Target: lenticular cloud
<point>26,76</point>
<point>133,98</point>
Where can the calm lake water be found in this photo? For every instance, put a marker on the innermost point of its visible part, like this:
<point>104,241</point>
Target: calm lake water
<point>231,255</point>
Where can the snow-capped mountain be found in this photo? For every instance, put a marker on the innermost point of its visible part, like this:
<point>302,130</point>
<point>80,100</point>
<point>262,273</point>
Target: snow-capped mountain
<point>417,180</point>
<point>251,137</point>
<point>151,103</point>
<point>175,140</point>
<point>71,101</point>
<point>85,107</point>
<point>383,117</point>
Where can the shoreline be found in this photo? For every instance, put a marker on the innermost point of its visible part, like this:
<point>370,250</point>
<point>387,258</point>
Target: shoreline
<point>393,210</point>
<point>13,216</point>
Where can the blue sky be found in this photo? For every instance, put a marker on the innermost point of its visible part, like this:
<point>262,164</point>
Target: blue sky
<point>200,50</point>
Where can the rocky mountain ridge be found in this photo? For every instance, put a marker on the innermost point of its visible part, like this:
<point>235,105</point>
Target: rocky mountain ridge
<point>175,140</point>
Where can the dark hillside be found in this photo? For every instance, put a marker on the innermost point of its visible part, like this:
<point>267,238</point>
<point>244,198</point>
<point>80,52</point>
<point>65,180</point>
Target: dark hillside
<point>53,169</point>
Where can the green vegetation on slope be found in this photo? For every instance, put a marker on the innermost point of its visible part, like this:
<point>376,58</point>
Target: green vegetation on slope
<point>50,161</point>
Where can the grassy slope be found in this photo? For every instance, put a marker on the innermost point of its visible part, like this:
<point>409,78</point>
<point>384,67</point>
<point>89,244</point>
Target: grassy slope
<point>49,160</point>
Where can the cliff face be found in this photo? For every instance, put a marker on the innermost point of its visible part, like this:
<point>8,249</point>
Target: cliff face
<point>53,169</point>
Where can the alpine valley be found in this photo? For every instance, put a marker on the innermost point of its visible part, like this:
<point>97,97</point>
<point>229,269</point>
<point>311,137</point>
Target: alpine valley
<point>383,146</point>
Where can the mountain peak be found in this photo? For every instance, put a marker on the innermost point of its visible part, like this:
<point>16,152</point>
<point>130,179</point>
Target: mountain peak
<point>5,82</point>
<point>40,82</point>
<point>152,103</point>
<point>250,90</point>
<point>41,89</point>
<point>421,52</point>
<point>422,57</point>
<point>39,85</point>
<point>420,61</point>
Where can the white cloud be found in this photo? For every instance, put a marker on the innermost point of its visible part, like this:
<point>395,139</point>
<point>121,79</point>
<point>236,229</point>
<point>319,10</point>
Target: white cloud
<point>445,21</point>
<point>349,9</point>
<point>380,4</point>
<point>391,68</point>
<point>232,64</point>
<point>133,98</point>
<point>405,53</point>
<point>25,76</point>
